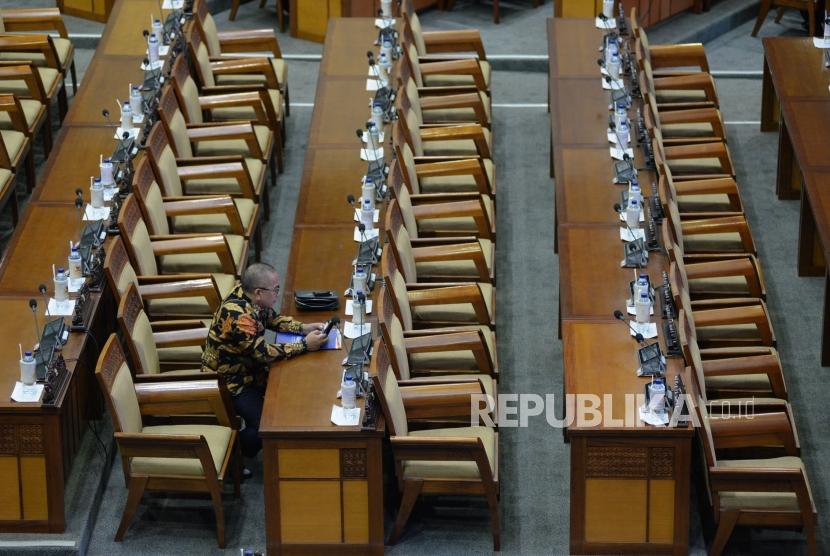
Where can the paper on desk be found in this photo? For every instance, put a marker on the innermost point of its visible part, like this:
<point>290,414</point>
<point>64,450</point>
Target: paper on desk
<point>819,42</point>
<point>655,419</point>
<point>172,4</point>
<point>375,218</point>
<point>617,153</point>
<point>366,137</point>
<point>75,284</point>
<point>30,394</point>
<point>60,308</point>
<point>383,23</point>
<point>350,307</point>
<point>109,193</point>
<point>345,417</point>
<point>372,84</point>
<point>647,329</point>
<point>368,234</point>
<point>138,119</point>
<point>625,235</point>
<point>613,86</point>
<point>642,216</point>
<point>370,154</point>
<point>119,133</point>
<point>608,24</point>
<point>93,214</point>
<point>352,331</point>
<point>154,66</point>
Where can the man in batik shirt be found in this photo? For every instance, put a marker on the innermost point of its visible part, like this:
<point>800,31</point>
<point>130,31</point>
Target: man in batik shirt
<point>236,347</point>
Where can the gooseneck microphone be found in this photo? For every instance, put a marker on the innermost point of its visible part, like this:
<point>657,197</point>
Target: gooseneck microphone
<point>621,317</point>
<point>43,291</point>
<point>33,308</point>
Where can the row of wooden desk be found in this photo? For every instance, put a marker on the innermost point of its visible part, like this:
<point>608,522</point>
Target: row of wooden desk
<point>629,481</point>
<point>796,101</point>
<point>38,442</point>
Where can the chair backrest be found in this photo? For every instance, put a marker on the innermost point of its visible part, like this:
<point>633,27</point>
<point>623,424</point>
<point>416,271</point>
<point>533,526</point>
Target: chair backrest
<point>206,27</point>
<point>409,98</point>
<point>691,350</point>
<point>136,238</point>
<point>393,334</point>
<point>137,333</point>
<point>199,58</point>
<point>116,384</point>
<point>412,27</point>
<point>150,199</point>
<point>163,160</point>
<point>117,267</point>
<point>402,132</point>
<point>400,243</point>
<point>174,122</point>
<point>405,159</point>
<point>186,91</point>
<point>388,393</point>
<point>400,299</point>
<point>411,63</point>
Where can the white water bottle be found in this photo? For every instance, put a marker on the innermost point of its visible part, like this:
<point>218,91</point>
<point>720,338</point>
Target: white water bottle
<point>632,214</point>
<point>158,31</point>
<point>61,285</point>
<point>827,25</point>
<point>359,309</point>
<point>377,115</point>
<point>634,191</point>
<point>136,100</point>
<point>657,396</point>
<point>613,66</point>
<point>74,262</point>
<point>374,136</point>
<point>620,114</point>
<point>642,307</point>
<point>126,117</point>
<point>385,66</point>
<point>107,178</point>
<point>28,365</point>
<point>152,50</point>
<point>96,193</point>
<point>611,48</point>
<point>623,135</point>
<point>386,50</point>
<point>360,281</point>
<point>608,8</point>
<point>368,191</point>
<point>367,215</point>
<point>348,393</point>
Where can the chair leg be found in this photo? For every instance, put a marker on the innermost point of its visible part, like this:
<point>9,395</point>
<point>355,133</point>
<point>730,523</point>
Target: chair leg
<point>495,521</point>
<point>281,16</point>
<point>216,497</point>
<point>266,200</point>
<point>234,9</point>
<point>279,145</point>
<point>496,12</point>
<point>258,256</point>
<point>272,169</point>
<point>74,78</point>
<point>779,13</point>
<point>47,138</point>
<point>31,175</point>
<point>237,466</point>
<point>262,3</point>
<point>63,103</point>
<point>811,21</point>
<point>15,205</point>
<point>287,102</point>
<point>411,490</point>
<point>762,15</point>
<point>725,527</point>
<point>135,491</point>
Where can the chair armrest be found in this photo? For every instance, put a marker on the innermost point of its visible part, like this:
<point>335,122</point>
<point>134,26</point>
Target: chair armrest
<point>764,429</point>
<point>181,338</point>
<point>678,55</point>
<point>471,340</point>
<point>752,314</point>
<point>440,448</point>
<point>742,266</point>
<point>724,186</point>
<point>461,40</point>
<point>721,225</point>
<point>458,167</point>
<point>235,170</point>
<point>456,209</point>
<point>468,66</point>
<point>207,205</point>
<point>456,252</point>
<point>243,131</point>
<point>250,40</point>
<point>446,295</point>
<point>248,65</point>
<point>33,19</point>
<point>179,397</point>
<point>699,81</point>
<point>31,43</point>
<point>177,324</point>
<point>769,365</point>
<point>472,132</point>
<point>198,287</point>
<point>469,100</point>
<point>711,116</point>
<point>214,243</point>
<point>234,100</point>
<point>439,399</point>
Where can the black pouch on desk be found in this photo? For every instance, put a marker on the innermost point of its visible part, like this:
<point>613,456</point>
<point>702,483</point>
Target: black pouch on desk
<point>311,300</point>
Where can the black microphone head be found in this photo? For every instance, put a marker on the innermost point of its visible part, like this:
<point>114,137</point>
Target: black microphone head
<point>79,202</point>
<point>79,192</point>
<point>42,289</point>
<point>361,227</point>
<point>617,207</point>
<point>600,62</point>
<point>105,113</point>
<point>350,199</point>
<point>619,315</point>
<point>607,79</point>
<point>639,338</point>
<point>370,54</point>
<point>146,33</point>
<point>602,16</point>
<point>335,319</point>
<point>146,61</point>
<point>626,157</point>
<point>33,304</point>
<point>125,136</point>
<point>359,133</point>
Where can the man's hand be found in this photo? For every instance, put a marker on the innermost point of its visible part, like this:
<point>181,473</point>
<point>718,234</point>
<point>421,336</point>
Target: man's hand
<point>311,327</point>
<point>315,339</point>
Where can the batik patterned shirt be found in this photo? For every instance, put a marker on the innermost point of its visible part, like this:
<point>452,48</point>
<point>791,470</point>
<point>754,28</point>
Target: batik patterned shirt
<point>236,347</point>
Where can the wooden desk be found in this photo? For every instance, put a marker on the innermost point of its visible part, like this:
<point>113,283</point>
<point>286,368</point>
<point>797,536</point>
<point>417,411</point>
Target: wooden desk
<point>324,484</point>
<point>39,442</point>
<point>629,481</point>
<point>310,18</point>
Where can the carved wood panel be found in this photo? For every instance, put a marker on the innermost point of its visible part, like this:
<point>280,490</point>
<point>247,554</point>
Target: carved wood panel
<point>612,461</point>
<point>661,463</point>
<point>30,438</point>
<point>353,463</point>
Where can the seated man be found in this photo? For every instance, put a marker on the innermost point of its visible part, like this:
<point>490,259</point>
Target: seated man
<point>237,349</point>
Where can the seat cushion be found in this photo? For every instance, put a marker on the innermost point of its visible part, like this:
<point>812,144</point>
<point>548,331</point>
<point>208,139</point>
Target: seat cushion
<point>32,109</point>
<point>200,223</point>
<point>280,70</point>
<point>217,438</point>
<point>449,115</point>
<point>63,48</point>
<point>679,167</point>
<point>448,80</point>
<point>202,262</point>
<point>752,383</point>
<point>48,76</point>
<point>713,243</point>
<point>14,141</point>
<point>731,332</point>
<point>462,313</point>
<point>458,269</point>
<point>457,184</point>
<point>454,470</point>
<point>462,225</point>
<point>704,203</point>
<point>670,96</point>
<point>181,354</point>
<point>726,285</point>
<point>460,147</point>
<point>215,186</point>
<point>247,113</point>
<point>190,306</point>
<point>452,360</point>
<point>769,501</point>
<point>235,146</point>
<point>687,130</point>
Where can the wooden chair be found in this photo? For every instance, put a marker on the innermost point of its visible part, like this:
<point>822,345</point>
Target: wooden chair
<point>8,191</point>
<point>449,259</point>
<point>458,460</point>
<point>683,127</point>
<point>713,237</point>
<point>159,347</point>
<point>178,254</point>
<point>803,5</point>
<point>693,162</point>
<point>226,103</point>
<point>178,457</point>
<point>214,175</point>
<point>280,11</point>
<point>448,4</point>
<point>432,305</point>
<point>667,59</point>
<point>15,146</point>
<point>460,75</point>
<point>702,198</point>
<point>43,19</point>
<point>440,175</point>
<point>16,49</point>
<point>33,105</point>
<point>243,43</point>
<point>473,107</point>
<point>464,140</point>
<point>195,213</point>
<point>764,492</point>
<point>438,42</point>
<point>166,297</point>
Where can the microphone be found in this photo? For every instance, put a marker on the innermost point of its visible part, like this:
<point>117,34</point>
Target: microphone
<point>79,203</point>
<point>106,114</point>
<point>33,308</point>
<point>42,289</point>
<point>619,209</point>
<point>637,336</point>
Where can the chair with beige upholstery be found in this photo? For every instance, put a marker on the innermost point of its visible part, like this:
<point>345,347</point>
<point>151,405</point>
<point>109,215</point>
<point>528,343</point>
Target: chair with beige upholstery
<point>760,492</point>
<point>8,191</point>
<point>214,175</point>
<point>451,175</point>
<point>451,259</point>
<point>33,105</point>
<point>443,43</point>
<point>700,198</point>
<point>695,161</point>
<point>15,148</point>
<point>195,213</point>
<point>683,127</point>
<point>42,20</point>
<point>472,107</point>
<point>668,59</point>
<point>178,254</point>
<point>243,43</point>
<point>16,49</point>
<point>456,460</point>
<point>181,457</point>
<point>226,104</point>
<point>173,346</point>
<point>459,75</point>
<point>187,296</point>
<point>434,305</point>
<point>723,236</point>
<point>462,140</point>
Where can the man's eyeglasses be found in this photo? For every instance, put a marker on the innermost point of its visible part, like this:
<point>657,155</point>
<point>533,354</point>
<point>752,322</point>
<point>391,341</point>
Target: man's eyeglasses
<point>275,290</point>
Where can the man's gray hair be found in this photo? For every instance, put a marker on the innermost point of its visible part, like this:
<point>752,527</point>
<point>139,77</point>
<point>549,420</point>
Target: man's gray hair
<point>258,275</point>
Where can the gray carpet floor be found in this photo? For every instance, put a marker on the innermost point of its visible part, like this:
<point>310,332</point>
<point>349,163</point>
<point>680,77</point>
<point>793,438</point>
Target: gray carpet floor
<point>534,460</point>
